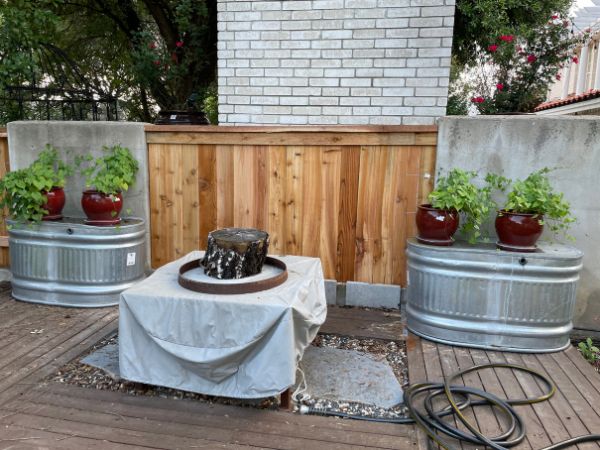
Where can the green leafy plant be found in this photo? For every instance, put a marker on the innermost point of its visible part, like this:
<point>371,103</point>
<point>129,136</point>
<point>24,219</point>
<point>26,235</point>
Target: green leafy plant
<point>456,191</point>
<point>22,191</point>
<point>535,195</point>
<point>589,351</point>
<point>111,173</point>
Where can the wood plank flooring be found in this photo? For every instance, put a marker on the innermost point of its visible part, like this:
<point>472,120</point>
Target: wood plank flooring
<point>36,340</point>
<point>573,411</point>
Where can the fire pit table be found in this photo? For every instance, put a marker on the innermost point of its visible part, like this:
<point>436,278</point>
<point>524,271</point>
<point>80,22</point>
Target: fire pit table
<point>240,346</point>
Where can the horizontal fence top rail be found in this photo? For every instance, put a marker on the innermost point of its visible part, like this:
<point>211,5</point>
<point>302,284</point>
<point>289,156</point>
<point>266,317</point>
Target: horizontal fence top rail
<point>293,135</point>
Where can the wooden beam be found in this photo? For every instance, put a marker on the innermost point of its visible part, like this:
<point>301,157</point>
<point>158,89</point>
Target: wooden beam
<point>291,138</point>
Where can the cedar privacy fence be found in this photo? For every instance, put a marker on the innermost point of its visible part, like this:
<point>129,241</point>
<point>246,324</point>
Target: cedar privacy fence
<point>345,194</point>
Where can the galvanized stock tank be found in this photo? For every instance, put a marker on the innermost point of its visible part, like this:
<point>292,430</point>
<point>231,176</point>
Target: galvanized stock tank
<point>477,296</point>
<point>68,263</point>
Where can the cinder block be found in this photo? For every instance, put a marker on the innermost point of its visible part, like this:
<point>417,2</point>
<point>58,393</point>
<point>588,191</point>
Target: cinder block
<point>437,11</point>
<point>323,120</point>
<point>296,5</point>
<point>266,6</point>
<point>331,291</point>
<point>386,120</point>
<point>307,15</point>
<point>396,111</point>
<point>426,22</point>
<point>373,295</point>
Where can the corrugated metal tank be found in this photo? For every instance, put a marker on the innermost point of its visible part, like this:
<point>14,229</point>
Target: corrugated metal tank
<point>68,263</point>
<point>479,296</point>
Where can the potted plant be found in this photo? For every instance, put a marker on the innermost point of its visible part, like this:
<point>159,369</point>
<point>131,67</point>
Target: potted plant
<point>107,177</point>
<point>36,193</point>
<point>531,204</point>
<point>455,195</point>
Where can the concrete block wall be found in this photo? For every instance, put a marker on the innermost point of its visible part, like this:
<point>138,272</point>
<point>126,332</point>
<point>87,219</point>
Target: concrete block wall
<point>330,62</point>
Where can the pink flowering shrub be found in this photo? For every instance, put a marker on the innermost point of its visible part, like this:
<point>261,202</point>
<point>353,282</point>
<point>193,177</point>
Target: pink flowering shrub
<point>514,73</point>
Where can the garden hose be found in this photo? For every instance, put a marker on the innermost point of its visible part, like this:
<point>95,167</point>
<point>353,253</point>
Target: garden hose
<point>430,420</point>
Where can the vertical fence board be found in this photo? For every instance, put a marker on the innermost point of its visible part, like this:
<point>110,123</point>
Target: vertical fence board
<point>351,202</point>
<point>346,236</point>
<point>207,192</point>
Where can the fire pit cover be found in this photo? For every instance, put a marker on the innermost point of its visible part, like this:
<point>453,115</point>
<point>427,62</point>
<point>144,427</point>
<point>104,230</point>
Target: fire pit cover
<point>242,346</point>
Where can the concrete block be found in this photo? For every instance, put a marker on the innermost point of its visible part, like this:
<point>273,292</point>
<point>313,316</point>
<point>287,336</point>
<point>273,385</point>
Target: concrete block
<point>359,43</point>
<point>358,62</point>
<point>422,81</point>
<point>277,15</point>
<point>355,101</point>
<point>293,81</point>
<point>354,120</point>
<point>426,22</point>
<point>296,5</point>
<point>306,35</point>
<point>328,4</point>
<point>293,120</point>
<point>279,90</point>
<point>294,44</point>
<point>331,291</point>
<point>391,43</point>
<point>325,82</point>
<point>325,63</point>
<point>339,73</point>
<point>359,24</point>
<point>306,91</point>
<point>360,4</point>
<point>364,82</point>
<point>295,62</point>
<point>279,72</point>
<point>296,25</point>
<point>366,110</point>
<point>336,91</point>
<point>402,12</point>
<point>398,92</point>
<point>365,92</point>
<point>393,3</point>
<point>373,295</point>
<point>264,81</point>
<point>367,34</point>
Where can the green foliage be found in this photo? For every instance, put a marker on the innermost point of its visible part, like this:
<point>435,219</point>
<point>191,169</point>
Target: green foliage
<point>211,105</point>
<point>22,191</point>
<point>456,191</point>
<point>111,173</point>
<point>589,351</point>
<point>145,53</point>
<point>478,23</point>
<point>535,195</point>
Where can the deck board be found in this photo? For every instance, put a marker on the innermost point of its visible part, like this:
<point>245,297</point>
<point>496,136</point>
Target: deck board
<point>573,411</point>
<point>37,413</point>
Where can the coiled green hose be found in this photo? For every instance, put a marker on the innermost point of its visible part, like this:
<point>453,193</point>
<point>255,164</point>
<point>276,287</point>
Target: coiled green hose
<point>430,421</point>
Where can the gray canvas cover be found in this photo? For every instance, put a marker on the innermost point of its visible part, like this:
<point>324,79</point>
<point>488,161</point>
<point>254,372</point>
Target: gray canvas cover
<point>242,346</point>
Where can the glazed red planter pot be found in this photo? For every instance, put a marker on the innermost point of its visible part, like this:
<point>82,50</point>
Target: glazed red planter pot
<point>55,202</point>
<point>518,232</point>
<point>101,209</point>
<point>436,226</point>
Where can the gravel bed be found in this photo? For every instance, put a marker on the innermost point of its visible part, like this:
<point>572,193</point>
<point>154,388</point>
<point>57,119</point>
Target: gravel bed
<point>77,373</point>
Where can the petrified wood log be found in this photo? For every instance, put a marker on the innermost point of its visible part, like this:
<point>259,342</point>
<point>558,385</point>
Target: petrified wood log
<point>235,252</point>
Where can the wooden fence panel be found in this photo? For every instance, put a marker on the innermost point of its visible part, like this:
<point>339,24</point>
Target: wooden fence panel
<point>348,196</point>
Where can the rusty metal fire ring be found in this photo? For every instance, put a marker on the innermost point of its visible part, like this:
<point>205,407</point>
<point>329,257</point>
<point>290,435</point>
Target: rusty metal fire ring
<point>235,288</point>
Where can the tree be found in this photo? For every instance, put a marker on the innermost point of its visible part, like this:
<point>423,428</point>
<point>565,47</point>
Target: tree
<point>147,53</point>
<point>506,53</point>
<point>477,23</point>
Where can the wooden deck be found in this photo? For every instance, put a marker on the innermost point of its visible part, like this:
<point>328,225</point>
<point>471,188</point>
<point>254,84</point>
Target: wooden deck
<point>36,340</point>
<point>35,414</point>
<point>573,411</point>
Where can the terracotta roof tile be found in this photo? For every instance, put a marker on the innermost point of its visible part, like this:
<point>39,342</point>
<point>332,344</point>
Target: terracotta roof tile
<point>592,93</point>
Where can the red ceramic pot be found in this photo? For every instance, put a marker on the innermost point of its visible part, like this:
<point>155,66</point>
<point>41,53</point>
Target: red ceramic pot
<point>55,202</point>
<point>101,209</point>
<point>518,232</point>
<point>436,226</point>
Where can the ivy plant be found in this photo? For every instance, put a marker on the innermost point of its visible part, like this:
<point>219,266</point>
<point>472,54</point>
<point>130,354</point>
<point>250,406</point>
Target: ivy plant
<point>22,192</point>
<point>111,173</point>
<point>589,351</point>
<point>456,191</point>
<point>535,195</point>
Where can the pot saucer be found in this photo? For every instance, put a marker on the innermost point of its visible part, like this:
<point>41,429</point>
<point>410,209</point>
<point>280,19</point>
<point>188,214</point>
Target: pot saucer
<point>438,242</point>
<point>103,223</point>
<point>517,248</point>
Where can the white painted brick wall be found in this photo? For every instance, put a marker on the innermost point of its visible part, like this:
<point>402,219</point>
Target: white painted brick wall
<point>329,62</point>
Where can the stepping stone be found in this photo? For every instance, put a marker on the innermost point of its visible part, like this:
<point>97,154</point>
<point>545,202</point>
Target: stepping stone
<point>106,359</point>
<point>351,376</point>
